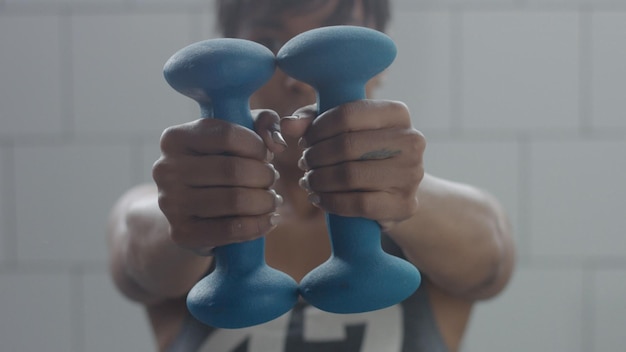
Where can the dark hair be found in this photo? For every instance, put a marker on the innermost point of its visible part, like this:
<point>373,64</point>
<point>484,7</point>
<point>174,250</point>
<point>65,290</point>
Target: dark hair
<point>231,12</point>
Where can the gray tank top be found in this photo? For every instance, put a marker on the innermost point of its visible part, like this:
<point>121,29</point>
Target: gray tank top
<point>407,327</point>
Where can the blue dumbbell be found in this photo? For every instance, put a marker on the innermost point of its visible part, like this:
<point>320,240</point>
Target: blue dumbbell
<point>359,276</point>
<point>221,74</point>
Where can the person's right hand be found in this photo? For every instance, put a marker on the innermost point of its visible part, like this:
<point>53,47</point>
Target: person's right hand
<point>215,181</point>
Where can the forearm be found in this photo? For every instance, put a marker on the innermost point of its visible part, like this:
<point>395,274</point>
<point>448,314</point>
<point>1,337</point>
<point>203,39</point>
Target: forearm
<point>145,263</point>
<point>459,238</point>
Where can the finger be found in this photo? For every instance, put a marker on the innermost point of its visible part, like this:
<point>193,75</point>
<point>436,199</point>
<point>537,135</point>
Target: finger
<point>214,170</point>
<point>267,125</point>
<point>213,136</point>
<point>218,202</point>
<point>306,111</point>
<point>363,145</point>
<point>359,176</point>
<point>209,233</point>
<point>379,206</point>
<point>358,116</point>
<point>296,125</point>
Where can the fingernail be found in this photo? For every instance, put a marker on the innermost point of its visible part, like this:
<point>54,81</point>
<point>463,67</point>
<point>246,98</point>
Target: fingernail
<point>304,183</point>
<point>276,173</point>
<point>278,138</point>
<point>302,143</point>
<point>291,117</point>
<point>278,199</point>
<point>275,219</point>
<point>302,164</point>
<point>314,198</point>
<point>269,156</point>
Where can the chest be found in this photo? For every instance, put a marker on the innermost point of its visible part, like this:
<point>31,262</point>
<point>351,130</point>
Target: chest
<point>297,248</point>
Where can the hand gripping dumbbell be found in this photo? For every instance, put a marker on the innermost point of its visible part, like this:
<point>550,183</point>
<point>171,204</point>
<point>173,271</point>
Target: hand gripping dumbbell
<point>359,276</point>
<point>221,74</point>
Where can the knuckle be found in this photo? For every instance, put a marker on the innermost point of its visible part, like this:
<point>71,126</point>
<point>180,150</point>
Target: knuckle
<point>415,140</point>
<point>362,206</point>
<point>368,206</point>
<point>169,206</point>
<point>243,228</point>
<point>230,136</point>
<point>346,143</point>
<point>265,117</point>
<point>169,137</point>
<point>414,175</point>
<point>342,115</point>
<point>238,198</point>
<point>181,234</point>
<point>230,168</point>
<point>160,171</point>
<point>349,174</point>
<point>234,228</point>
<point>399,108</point>
<point>408,202</point>
<point>174,137</point>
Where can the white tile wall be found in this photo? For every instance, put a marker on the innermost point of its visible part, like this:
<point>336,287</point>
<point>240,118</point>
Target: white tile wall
<point>4,206</point>
<point>51,3</point>
<point>609,315</point>
<point>578,198</point>
<point>118,81</point>
<point>490,165</point>
<point>64,194</point>
<point>36,312</point>
<point>540,311</point>
<point>609,70</point>
<point>520,70</point>
<point>420,75</point>
<point>31,92</point>
<point>496,85</point>
<point>108,314</point>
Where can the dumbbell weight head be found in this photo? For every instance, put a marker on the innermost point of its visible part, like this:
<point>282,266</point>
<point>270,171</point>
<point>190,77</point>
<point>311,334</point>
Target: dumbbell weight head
<point>338,61</point>
<point>221,74</point>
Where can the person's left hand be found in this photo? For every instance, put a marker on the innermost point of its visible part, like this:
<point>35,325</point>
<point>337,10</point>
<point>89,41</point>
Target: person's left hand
<point>361,159</point>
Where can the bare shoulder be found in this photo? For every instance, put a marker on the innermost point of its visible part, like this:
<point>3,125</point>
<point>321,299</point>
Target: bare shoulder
<point>451,313</point>
<point>167,318</point>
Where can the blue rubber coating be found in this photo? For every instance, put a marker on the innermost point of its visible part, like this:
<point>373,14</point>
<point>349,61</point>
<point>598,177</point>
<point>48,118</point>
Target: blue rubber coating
<point>337,61</point>
<point>359,276</point>
<point>242,291</point>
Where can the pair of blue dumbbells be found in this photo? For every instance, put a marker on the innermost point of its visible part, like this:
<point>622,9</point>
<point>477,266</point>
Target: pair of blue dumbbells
<point>221,75</point>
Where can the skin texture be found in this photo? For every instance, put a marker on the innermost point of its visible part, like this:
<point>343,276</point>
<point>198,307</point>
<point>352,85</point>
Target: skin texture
<point>218,183</point>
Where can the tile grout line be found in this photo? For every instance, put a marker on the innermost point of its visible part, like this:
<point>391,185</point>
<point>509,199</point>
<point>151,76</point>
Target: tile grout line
<point>67,73</point>
<point>588,307</point>
<point>77,298</point>
<point>9,205</point>
<point>585,67</point>
<point>456,127</point>
<point>524,192</point>
<point>137,162</point>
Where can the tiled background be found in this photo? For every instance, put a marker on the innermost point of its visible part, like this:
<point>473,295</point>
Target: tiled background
<point>525,98</point>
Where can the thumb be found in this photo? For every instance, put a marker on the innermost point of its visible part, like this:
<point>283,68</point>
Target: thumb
<point>267,126</point>
<point>296,125</point>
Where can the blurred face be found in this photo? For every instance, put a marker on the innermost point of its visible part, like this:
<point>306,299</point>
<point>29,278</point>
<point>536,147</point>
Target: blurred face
<point>282,93</point>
